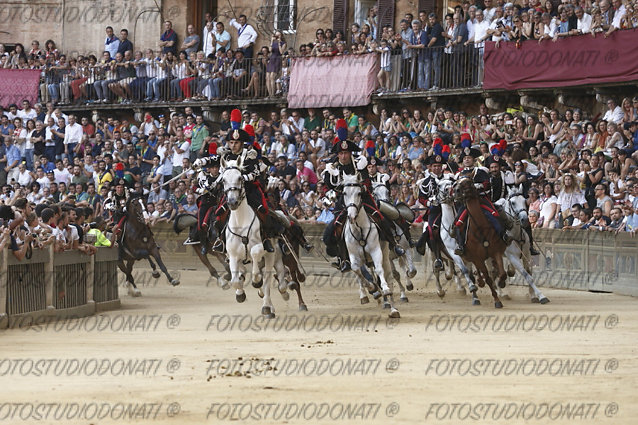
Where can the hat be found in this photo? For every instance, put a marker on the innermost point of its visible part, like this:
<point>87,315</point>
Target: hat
<point>375,161</point>
<point>495,159</point>
<point>345,145</point>
<point>214,160</point>
<point>435,159</point>
<point>470,152</point>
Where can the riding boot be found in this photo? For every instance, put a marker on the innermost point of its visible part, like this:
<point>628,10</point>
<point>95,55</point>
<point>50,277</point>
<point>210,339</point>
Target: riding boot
<point>220,241</point>
<point>267,228</point>
<point>193,236</point>
<point>420,245</point>
<point>460,241</point>
<point>532,250</point>
<point>405,227</point>
<point>438,264</point>
<point>387,229</point>
<point>344,259</point>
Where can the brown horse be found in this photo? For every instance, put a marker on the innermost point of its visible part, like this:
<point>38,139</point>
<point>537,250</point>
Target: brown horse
<point>483,242</point>
<point>295,237</point>
<point>136,242</point>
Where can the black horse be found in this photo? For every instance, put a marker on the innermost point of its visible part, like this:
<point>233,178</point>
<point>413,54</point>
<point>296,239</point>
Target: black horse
<point>136,242</point>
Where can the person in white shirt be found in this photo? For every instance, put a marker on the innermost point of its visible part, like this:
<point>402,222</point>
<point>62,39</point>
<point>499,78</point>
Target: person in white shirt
<point>614,113</point>
<point>72,136</point>
<point>489,11</point>
<point>619,14</point>
<point>25,177</point>
<point>246,35</point>
<point>584,21</point>
<point>208,37</point>
<point>181,150</point>
<point>112,43</point>
<point>61,174</point>
<point>27,112</point>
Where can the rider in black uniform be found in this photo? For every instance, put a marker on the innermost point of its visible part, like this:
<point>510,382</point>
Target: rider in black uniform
<point>428,189</point>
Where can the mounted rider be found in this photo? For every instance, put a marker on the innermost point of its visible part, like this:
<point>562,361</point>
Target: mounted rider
<point>209,195</point>
<point>115,203</point>
<point>240,147</point>
<point>428,191</point>
<point>481,178</point>
<point>377,179</point>
<point>502,180</point>
<point>346,164</point>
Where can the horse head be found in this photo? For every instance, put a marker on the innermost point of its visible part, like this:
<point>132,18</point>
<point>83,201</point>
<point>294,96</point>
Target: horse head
<point>135,207</point>
<point>464,189</point>
<point>233,183</point>
<point>380,192</point>
<point>517,205</point>
<point>444,194</point>
<point>352,194</point>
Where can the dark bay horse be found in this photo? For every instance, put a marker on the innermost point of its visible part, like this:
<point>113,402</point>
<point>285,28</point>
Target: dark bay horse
<point>483,242</point>
<point>136,242</point>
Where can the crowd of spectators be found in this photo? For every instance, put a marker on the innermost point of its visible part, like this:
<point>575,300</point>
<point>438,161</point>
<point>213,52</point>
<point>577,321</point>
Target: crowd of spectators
<point>56,171</point>
<point>422,54</point>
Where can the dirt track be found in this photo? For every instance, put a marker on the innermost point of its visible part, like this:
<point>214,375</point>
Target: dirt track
<point>445,361</point>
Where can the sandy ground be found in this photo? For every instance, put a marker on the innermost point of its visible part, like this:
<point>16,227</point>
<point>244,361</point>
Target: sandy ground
<point>191,354</point>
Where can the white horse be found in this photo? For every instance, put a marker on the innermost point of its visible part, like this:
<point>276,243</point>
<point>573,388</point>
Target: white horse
<point>381,193</point>
<point>243,238</point>
<point>444,197</point>
<point>517,252</point>
<point>362,237</point>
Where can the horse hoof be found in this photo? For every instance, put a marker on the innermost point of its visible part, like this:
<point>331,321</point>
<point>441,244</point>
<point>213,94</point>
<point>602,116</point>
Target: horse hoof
<point>498,304</point>
<point>394,314</point>
<point>441,293</point>
<point>376,295</point>
<point>386,305</point>
<point>225,285</point>
<point>411,273</point>
<point>134,292</point>
<point>365,300</point>
<point>258,284</point>
<point>240,297</point>
<point>303,307</point>
<point>404,299</point>
<point>293,286</point>
<point>544,300</point>
<point>476,302</point>
<point>155,274</point>
<point>175,282</point>
<point>285,295</point>
<point>270,316</point>
<point>265,310</point>
<point>409,287</point>
<point>473,288</point>
<point>501,283</point>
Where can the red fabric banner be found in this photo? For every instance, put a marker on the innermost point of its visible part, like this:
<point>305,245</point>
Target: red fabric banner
<point>338,81</point>
<point>571,61</point>
<point>17,85</point>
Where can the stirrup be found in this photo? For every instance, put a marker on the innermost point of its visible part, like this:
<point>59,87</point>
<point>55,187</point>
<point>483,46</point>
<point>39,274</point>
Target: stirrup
<point>459,250</point>
<point>308,247</point>
<point>399,251</point>
<point>218,246</point>
<point>533,251</point>
<point>190,241</point>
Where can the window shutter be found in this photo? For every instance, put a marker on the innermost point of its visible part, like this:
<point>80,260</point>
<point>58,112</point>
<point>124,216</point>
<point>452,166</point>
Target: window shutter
<point>340,16</point>
<point>427,5</point>
<point>385,14</point>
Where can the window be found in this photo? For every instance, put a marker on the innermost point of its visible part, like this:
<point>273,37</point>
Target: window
<point>361,8</point>
<point>284,16</point>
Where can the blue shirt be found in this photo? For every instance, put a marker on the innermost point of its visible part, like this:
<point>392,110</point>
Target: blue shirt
<point>170,36</point>
<point>326,216</point>
<point>13,154</point>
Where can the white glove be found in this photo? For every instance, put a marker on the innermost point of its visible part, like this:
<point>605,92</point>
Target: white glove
<point>479,186</point>
<point>251,154</point>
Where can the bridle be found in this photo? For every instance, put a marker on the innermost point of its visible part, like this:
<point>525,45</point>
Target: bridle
<point>362,241</point>
<point>352,204</point>
<point>241,190</point>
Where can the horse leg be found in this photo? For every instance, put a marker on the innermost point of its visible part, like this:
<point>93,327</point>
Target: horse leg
<point>204,259</point>
<point>156,273</point>
<point>221,257</point>
<point>128,271</point>
<point>387,271</point>
<point>483,273</point>
<point>267,307</point>
<point>500,268</point>
<point>397,276</point>
<point>280,273</point>
<point>257,253</point>
<point>237,279</point>
<point>535,293</point>
<point>377,256</point>
<point>155,253</point>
